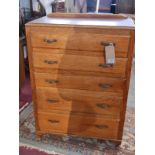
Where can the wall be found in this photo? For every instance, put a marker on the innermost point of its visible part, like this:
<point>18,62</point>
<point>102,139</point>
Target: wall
<point>24,3</point>
<point>126,6</point>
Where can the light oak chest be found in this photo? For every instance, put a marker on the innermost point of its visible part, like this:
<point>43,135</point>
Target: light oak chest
<point>75,91</point>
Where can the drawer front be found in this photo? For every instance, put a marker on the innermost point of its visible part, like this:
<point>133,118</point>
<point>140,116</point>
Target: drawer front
<point>78,101</point>
<point>78,124</point>
<point>77,40</point>
<point>79,63</point>
<point>80,82</point>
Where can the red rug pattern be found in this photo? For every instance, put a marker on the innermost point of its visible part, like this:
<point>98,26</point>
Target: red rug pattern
<point>25,94</point>
<point>30,151</point>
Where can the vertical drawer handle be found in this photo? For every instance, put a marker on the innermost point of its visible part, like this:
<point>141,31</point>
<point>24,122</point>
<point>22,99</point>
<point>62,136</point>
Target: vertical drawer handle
<point>52,101</point>
<point>105,65</point>
<point>53,121</point>
<point>102,85</point>
<point>50,62</point>
<point>103,105</point>
<point>101,126</point>
<point>49,41</point>
<point>51,81</point>
<point>109,49</point>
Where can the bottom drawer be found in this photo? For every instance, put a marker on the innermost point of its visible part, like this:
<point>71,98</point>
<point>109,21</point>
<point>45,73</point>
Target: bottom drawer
<point>82,125</point>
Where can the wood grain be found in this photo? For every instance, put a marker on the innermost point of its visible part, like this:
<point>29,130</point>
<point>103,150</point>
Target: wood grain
<point>80,82</point>
<point>30,59</point>
<point>114,22</point>
<point>118,54</point>
<point>79,63</point>
<point>78,101</point>
<point>87,15</point>
<point>71,39</point>
<point>126,90</point>
<point>81,125</point>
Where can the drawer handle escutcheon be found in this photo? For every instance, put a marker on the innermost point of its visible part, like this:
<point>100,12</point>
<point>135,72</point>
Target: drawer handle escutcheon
<point>53,121</point>
<point>102,85</point>
<point>50,41</point>
<point>101,126</point>
<point>103,105</point>
<point>50,62</point>
<point>107,43</point>
<point>105,65</point>
<point>52,81</point>
<point>52,101</point>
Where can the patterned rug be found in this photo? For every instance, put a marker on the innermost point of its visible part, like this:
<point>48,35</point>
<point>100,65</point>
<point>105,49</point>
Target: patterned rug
<point>25,150</point>
<point>25,93</point>
<point>71,145</point>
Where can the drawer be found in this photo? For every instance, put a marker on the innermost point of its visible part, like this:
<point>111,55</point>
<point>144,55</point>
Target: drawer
<point>79,63</point>
<point>74,39</point>
<point>81,125</point>
<point>80,82</point>
<point>78,101</point>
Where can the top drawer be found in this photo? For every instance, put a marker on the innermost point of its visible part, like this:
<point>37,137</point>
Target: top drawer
<point>77,39</point>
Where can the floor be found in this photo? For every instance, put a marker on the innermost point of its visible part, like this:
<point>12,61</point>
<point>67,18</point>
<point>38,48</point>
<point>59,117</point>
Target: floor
<point>25,93</point>
<point>26,151</point>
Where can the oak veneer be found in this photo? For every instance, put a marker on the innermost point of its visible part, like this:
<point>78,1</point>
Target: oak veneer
<point>73,92</point>
<point>78,101</point>
<point>79,63</point>
<point>77,40</point>
<point>80,82</point>
<point>82,125</point>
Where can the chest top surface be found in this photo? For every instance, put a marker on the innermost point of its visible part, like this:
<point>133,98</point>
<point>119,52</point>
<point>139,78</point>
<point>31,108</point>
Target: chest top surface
<point>92,20</point>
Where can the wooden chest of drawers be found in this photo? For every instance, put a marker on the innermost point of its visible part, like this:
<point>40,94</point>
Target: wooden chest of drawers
<point>74,90</point>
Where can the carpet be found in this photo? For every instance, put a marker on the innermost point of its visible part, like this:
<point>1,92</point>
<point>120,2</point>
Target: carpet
<point>25,93</point>
<point>71,145</point>
<point>25,150</point>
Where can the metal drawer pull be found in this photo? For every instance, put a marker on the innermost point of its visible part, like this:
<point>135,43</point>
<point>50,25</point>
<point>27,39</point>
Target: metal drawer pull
<point>101,126</point>
<point>107,43</point>
<point>109,54</point>
<point>50,62</point>
<point>102,85</point>
<point>50,41</point>
<point>103,105</point>
<point>52,101</point>
<point>52,81</point>
<point>106,65</point>
<point>53,121</point>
